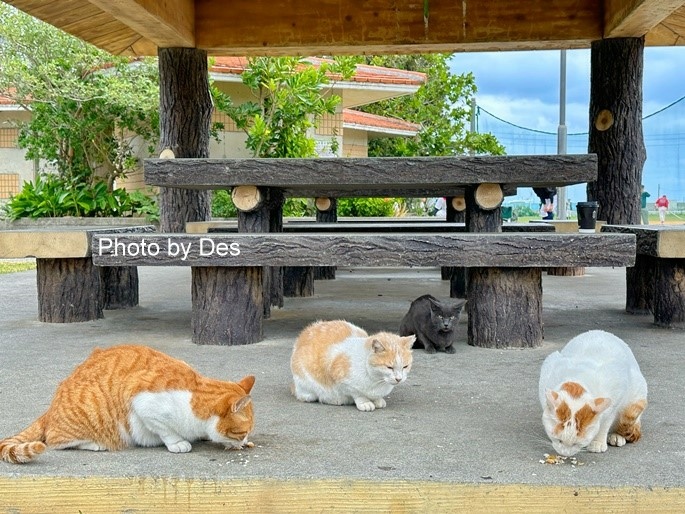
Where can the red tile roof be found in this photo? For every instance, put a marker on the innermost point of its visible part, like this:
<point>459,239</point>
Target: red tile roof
<point>364,72</point>
<point>366,120</point>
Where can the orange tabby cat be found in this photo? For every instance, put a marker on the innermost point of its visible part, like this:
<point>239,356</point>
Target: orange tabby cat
<point>338,363</point>
<point>136,396</point>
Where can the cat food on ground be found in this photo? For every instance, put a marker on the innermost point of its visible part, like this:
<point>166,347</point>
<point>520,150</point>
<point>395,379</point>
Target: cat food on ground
<point>559,459</point>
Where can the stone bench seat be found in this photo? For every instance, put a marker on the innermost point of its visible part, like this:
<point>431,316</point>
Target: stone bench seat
<point>227,292</point>
<point>656,284</point>
<point>70,288</point>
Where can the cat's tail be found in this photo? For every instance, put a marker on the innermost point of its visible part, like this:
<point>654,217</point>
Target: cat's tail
<point>26,445</point>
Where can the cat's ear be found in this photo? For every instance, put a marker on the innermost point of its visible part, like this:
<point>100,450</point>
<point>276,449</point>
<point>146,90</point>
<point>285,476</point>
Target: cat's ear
<point>600,404</point>
<point>377,346</point>
<point>408,341</point>
<point>459,304</point>
<point>232,402</point>
<point>246,383</point>
<point>240,403</point>
<point>552,399</point>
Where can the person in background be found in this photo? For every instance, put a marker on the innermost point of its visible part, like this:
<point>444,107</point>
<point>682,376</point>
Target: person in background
<point>643,206</point>
<point>546,196</point>
<point>662,204</point>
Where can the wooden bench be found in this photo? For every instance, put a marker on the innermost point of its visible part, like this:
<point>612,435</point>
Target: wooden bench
<point>656,284</point>
<point>229,266</point>
<point>504,278</point>
<point>70,287</point>
<point>299,281</point>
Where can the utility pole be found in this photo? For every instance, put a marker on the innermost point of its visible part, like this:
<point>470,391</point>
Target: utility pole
<point>562,130</point>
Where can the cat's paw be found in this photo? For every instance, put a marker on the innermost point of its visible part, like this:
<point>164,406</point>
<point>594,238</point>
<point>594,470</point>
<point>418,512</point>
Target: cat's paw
<point>179,447</point>
<point>616,440</point>
<point>380,403</point>
<point>450,349</point>
<point>365,405</point>
<point>430,349</point>
<point>597,446</point>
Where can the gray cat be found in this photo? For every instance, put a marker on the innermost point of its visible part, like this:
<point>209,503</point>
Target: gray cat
<point>433,322</point>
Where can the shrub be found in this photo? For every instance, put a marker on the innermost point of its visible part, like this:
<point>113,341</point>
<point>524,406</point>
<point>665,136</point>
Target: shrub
<point>361,207</point>
<point>53,196</point>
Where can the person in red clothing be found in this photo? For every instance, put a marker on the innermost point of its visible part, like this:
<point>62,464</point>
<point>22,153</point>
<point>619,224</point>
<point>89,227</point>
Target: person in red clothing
<point>662,205</point>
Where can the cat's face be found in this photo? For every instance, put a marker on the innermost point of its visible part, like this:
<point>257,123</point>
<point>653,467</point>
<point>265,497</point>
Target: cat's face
<point>571,418</point>
<point>445,316</point>
<point>391,357</point>
<point>234,415</point>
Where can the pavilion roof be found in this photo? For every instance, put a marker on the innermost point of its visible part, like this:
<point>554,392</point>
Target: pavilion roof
<point>333,27</point>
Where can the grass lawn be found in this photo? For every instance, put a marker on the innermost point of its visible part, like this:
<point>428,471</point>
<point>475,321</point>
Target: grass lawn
<point>11,267</point>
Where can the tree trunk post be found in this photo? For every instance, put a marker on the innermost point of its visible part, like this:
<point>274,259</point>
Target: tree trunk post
<point>119,287</point>
<point>328,215</point>
<point>616,128</point>
<point>669,304</point>
<point>456,213</point>
<point>267,217</point>
<point>224,299</point>
<point>640,285</point>
<point>501,301</point>
<point>227,315</point>
<point>185,115</point>
<point>69,290</point>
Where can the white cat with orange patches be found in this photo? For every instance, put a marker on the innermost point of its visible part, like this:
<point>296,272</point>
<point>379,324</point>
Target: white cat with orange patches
<point>136,396</point>
<point>592,394</point>
<point>338,363</point>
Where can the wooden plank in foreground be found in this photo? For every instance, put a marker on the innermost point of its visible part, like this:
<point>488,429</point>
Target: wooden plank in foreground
<point>380,176</point>
<point>408,249</point>
<point>177,494</point>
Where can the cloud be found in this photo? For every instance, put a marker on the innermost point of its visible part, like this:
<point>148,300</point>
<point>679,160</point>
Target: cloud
<point>523,87</point>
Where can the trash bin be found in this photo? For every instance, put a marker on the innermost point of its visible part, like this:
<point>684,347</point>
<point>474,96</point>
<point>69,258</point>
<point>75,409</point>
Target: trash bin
<point>587,216</point>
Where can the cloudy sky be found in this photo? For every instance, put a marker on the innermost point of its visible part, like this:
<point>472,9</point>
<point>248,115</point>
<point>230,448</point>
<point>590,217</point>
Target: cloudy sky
<point>523,87</point>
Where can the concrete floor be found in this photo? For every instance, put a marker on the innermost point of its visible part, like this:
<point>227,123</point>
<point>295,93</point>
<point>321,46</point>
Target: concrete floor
<point>464,432</point>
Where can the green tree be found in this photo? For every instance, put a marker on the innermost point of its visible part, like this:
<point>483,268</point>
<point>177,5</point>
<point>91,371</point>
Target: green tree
<point>89,109</point>
<point>441,106</point>
<point>290,95</point>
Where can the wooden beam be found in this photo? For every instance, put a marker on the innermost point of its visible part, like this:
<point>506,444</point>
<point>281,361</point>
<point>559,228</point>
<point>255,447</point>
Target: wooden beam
<point>167,24</point>
<point>521,250</point>
<point>373,177</point>
<point>634,18</point>
<point>349,26</point>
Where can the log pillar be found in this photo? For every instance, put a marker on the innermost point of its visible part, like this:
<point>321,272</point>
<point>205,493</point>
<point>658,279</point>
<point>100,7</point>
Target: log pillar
<point>119,287</point>
<point>504,304</point>
<point>640,285</point>
<point>616,66</point>
<point>227,315</point>
<point>669,302</point>
<point>456,213</point>
<point>69,290</point>
<point>224,300</point>
<point>261,210</point>
<point>326,212</point>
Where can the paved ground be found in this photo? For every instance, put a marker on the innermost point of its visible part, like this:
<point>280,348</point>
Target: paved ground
<point>468,418</point>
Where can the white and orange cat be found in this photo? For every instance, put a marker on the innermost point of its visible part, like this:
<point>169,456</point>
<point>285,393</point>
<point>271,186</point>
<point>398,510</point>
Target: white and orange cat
<point>338,363</point>
<point>136,396</point>
<point>592,394</point>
